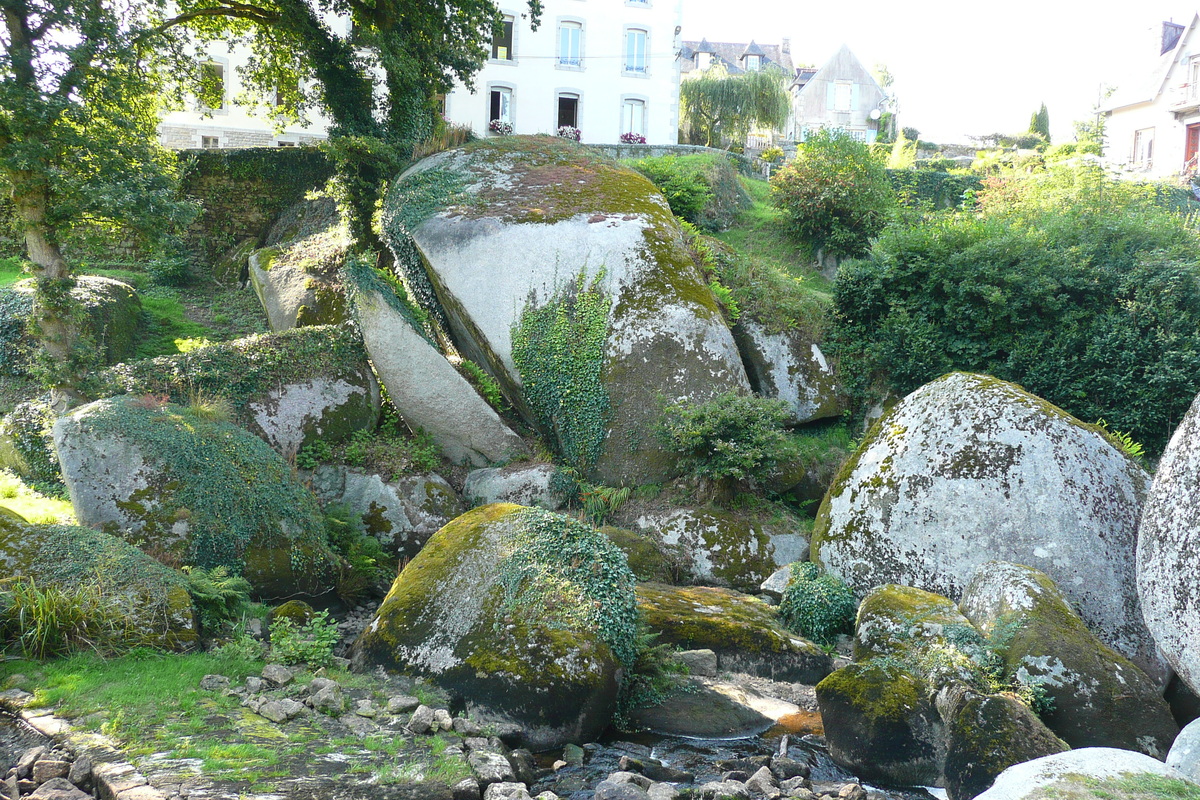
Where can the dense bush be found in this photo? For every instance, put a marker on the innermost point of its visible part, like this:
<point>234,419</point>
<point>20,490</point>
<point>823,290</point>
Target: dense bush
<point>306,643</point>
<point>932,189</point>
<point>702,189</point>
<point>1084,290</point>
<point>816,606</point>
<point>734,436</point>
<point>218,596</point>
<point>835,195</point>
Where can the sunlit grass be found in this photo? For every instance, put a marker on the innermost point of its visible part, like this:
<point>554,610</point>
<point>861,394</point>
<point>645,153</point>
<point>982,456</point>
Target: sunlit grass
<point>33,506</point>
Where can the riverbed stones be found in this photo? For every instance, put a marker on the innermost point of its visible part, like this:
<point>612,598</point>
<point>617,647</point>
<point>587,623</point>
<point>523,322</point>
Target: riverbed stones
<point>583,234</point>
<point>500,608</point>
<point>1168,554</point>
<point>969,469</point>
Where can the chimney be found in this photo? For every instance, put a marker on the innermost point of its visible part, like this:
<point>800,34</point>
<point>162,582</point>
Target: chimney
<point>1171,31</point>
<point>787,46</point>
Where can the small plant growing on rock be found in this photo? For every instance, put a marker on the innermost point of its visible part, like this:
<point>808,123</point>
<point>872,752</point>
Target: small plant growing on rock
<point>314,454</point>
<point>818,607</point>
<point>310,643</point>
<point>218,596</point>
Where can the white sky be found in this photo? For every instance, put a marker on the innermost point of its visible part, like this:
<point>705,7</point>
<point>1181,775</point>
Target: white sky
<point>963,67</point>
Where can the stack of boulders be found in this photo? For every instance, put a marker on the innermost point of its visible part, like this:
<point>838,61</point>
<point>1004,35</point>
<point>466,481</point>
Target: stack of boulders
<point>49,772</point>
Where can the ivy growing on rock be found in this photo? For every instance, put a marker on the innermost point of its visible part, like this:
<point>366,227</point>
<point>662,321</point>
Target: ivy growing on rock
<point>559,349</point>
<point>816,606</point>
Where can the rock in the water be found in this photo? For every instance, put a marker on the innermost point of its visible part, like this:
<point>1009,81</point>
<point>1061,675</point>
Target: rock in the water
<point>200,490</point>
<point>503,606</point>
<point>62,556</point>
<point>789,366</point>
<point>289,388</point>
<point>969,469</point>
<point>426,388</point>
<point>1185,752</point>
<point>402,514</point>
<point>744,632</point>
<point>1090,773</point>
<point>1100,698</point>
<point>296,276</point>
<point>595,312</point>
<point>1168,552</point>
<point>525,485</point>
<point>721,547</point>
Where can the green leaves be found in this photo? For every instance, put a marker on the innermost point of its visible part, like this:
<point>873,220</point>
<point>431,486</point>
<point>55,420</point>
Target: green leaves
<point>731,436</point>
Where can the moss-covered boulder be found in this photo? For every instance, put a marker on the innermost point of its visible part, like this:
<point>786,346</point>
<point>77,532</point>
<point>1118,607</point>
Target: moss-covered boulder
<point>649,560</point>
<point>526,615</point>
<point>721,548</point>
<point>290,388</point>
<point>232,267</point>
<point>881,725</point>
<point>987,734</point>
<point>1168,551</point>
<point>1099,698</point>
<point>194,490</point>
<point>524,484</point>
<point>111,319</point>
<point>743,631</point>
<point>969,469</point>
<point>566,276</point>
<point>924,630</point>
<point>297,275</point>
<point>26,442</point>
<point>790,366</point>
<point>402,514</point>
<point>1092,773</point>
<point>424,386</point>
<point>152,598</point>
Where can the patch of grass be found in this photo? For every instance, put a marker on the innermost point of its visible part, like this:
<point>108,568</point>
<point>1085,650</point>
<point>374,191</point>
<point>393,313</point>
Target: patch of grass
<point>31,504</point>
<point>12,269</point>
<point>167,327</point>
<point>135,278</point>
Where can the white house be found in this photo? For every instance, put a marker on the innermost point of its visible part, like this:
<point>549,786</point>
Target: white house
<point>606,67</point>
<point>842,94</point>
<point>1153,126</point>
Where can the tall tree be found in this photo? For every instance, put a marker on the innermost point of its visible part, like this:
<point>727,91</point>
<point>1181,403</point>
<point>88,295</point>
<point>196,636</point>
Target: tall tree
<point>719,107</point>
<point>1039,123</point>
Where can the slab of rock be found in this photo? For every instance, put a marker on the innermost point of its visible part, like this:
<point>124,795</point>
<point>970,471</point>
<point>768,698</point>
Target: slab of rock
<point>1184,755</point>
<point>491,766</point>
<point>721,547</point>
<point>525,485</point>
<point>426,388</point>
<point>713,709</point>
<point>278,675</point>
<point>789,366</point>
<point>969,469</point>
<point>58,789</point>
<point>1168,552</point>
<point>1087,773</point>
<point>570,220</point>
<point>699,662</point>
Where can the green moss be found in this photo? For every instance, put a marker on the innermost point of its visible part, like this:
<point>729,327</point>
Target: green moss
<point>878,691</point>
<point>699,617</point>
<point>646,560</point>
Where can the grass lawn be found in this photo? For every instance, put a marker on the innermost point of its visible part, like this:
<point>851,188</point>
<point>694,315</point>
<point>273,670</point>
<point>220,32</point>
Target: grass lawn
<point>30,504</point>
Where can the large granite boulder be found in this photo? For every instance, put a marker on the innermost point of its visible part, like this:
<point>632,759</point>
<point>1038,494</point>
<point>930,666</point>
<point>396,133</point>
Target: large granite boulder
<point>1168,552</point>
<point>1098,698</point>
<point>402,514</point>
<point>193,490</point>
<point>290,388</point>
<point>1184,754</point>
<point>296,276</point>
<point>154,598</point>
<point>706,708</point>
<point>526,615</point>
<point>565,275</point>
<point>789,366</point>
<point>743,631</point>
<point>524,484</point>
<point>969,469</point>
<point>1091,773</point>
<point>427,390</point>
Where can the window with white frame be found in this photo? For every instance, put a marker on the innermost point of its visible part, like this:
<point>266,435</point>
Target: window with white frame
<point>568,110</point>
<point>1143,147</point>
<point>570,44</point>
<point>1194,79</point>
<point>633,116</point>
<point>843,92</point>
<point>502,43</point>
<point>753,63</point>
<point>500,104</point>
<point>636,50</point>
<point>212,86</point>
<point>210,142</point>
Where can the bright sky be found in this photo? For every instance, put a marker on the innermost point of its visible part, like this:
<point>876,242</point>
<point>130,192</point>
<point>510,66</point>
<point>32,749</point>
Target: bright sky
<point>963,67</point>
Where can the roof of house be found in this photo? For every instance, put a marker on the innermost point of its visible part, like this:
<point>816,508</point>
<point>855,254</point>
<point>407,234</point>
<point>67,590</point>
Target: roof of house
<point>730,54</point>
<point>1152,85</point>
<point>834,67</point>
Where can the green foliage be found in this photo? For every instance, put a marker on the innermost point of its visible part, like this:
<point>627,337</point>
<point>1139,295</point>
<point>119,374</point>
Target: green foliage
<point>308,643</point>
<point>931,190</point>
<point>731,436</point>
<point>1080,288</point>
<point>1039,123</point>
<point>772,155</point>
<point>558,349</point>
<point>28,429</point>
<point>15,343</point>
<point>390,451</point>
<point>818,607</point>
<point>1123,440</point>
<point>169,270</point>
<point>485,384</point>
<point>362,554</point>
<point>835,195</point>
<point>652,678</point>
<point>219,597</point>
<point>725,297</point>
<point>51,620</point>
<point>702,189</point>
<point>720,108</point>
<point>314,454</point>
<point>564,569</point>
<point>686,190</point>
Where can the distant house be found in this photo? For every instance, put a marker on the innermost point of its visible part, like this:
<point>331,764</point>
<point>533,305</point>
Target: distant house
<point>605,68</point>
<point>738,58</point>
<point>1153,127</point>
<point>842,95</point>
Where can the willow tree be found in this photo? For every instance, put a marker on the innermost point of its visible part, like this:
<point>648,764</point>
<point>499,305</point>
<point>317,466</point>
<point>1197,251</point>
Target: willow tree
<point>719,107</point>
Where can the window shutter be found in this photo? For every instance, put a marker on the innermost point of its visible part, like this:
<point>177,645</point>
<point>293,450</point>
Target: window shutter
<point>830,96</point>
<point>854,95</point>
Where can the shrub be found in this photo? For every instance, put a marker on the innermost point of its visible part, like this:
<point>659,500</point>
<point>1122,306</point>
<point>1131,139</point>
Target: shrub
<point>313,454</point>
<point>701,189</point>
<point>818,607</point>
<point>685,189</point>
<point>28,446</point>
<point>16,343</point>
<point>834,195</point>
<point>735,436</point>
<point>362,555</point>
<point>772,155</point>
<point>632,138</point>
<point>218,596</point>
<point>308,643</point>
<point>169,270</point>
<point>54,621</point>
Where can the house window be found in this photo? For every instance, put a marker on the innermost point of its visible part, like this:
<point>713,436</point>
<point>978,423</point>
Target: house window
<point>502,44</point>
<point>212,86</point>
<point>568,110</point>
<point>282,143</point>
<point>635,50</point>
<point>842,93</point>
<point>210,142</point>
<point>570,41</point>
<point>1143,147</point>
<point>633,116</point>
<point>283,91</point>
<point>1194,80</point>
<point>500,104</point>
<point>753,63</point>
